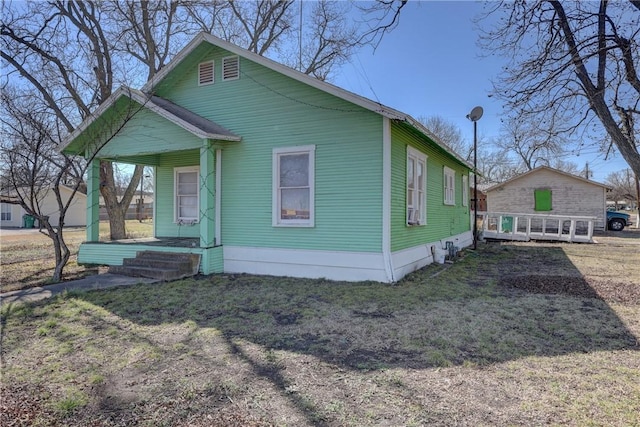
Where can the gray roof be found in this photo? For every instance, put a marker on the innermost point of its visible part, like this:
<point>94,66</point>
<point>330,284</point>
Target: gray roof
<point>209,128</point>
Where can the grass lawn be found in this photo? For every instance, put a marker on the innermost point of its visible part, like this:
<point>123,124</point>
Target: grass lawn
<point>513,334</point>
<point>28,258</point>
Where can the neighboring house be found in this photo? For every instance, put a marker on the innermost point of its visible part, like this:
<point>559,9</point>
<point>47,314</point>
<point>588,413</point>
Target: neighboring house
<point>271,171</point>
<point>545,190</point>
<point>12,214</point>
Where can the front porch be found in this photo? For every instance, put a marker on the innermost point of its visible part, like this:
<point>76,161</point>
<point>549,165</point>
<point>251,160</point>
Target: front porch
<point>113,253</point>
<point>184,149</point>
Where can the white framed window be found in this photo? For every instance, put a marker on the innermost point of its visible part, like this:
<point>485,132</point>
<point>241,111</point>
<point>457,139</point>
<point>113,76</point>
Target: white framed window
<point>416,187</point>
<point>293,186</point>
<point>206,73</point>
<point>465,190</point>
<point>187,194</point>
<point>449,186</point>
<point>230,68</point>
<point>5,212</point>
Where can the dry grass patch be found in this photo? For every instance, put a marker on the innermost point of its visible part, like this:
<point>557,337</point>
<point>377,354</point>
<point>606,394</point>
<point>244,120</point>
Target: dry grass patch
<point>28,258</point>
<point>454,345</point>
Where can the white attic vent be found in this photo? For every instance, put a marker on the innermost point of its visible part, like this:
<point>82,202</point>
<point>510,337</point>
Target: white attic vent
<point>230,68</point>
<point>205,73</point>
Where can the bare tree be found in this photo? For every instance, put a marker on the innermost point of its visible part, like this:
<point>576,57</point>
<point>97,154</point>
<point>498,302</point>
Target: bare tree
<point>312,37</point>
<point>62,50</point>
<point>151,32</point>
<point>573,67</point>
<point>33,168</point>
<point>379,18</point>
<point>623,186</point>
<point>495,165</point>
<point>327,39</point>
<point>571,167</point>
<point>450,134</point>
<point>532,144</point>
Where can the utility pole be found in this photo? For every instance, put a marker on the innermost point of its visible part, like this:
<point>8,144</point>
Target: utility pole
<point>586,168</point>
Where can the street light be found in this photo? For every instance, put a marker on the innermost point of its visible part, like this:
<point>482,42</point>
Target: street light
<point>474,116</point>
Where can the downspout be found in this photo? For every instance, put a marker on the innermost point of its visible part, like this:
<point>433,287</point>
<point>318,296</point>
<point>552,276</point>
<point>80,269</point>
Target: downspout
<point>386,200</point>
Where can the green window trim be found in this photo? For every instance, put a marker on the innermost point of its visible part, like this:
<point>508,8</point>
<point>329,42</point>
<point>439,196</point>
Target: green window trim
<point>542,200</point>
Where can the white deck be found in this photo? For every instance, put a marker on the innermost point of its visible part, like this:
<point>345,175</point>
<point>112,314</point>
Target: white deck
<point>525,227</point>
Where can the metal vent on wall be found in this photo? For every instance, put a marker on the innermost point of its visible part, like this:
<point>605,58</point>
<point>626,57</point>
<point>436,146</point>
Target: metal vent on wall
<point>205,73</point>
<point>230,68</point>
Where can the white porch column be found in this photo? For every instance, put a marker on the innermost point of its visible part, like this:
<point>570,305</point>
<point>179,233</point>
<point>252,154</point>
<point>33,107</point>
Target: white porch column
<point>207,196</point>
<point>93,200</point>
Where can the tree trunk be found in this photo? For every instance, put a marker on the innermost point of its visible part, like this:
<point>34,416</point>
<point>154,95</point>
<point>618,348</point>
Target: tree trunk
<point>62,255</point>
<point>117,209</point>
<point>60,248</point>
<point>637,201</point>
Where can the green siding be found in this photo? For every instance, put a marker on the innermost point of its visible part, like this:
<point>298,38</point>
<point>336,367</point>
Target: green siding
<point>442,220</point>
<point>270,110</point>
<point>212,260</point>
<point>114,253</point>
<point>148,133</point>
<point>164,215</point>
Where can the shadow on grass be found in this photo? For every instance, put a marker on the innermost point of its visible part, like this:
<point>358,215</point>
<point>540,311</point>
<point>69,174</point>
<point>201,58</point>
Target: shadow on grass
<point>207,342</point>
<point>492,306</point>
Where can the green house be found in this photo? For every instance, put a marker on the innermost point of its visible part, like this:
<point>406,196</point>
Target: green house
<point>262,169</point>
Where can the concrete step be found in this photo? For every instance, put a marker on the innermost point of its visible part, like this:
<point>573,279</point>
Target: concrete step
<point>165,274</point>
<point>164,255</point>
<point>159,265</point>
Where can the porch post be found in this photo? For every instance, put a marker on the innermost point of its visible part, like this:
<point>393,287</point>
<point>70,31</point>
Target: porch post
<point>207,196</point>
<point>93,200</point>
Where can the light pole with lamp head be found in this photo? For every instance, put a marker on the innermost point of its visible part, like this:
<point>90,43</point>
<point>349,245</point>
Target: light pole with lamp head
<point>474,116</point>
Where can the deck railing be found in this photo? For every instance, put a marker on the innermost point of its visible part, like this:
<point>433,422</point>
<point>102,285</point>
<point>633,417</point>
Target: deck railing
<point>525,227</point>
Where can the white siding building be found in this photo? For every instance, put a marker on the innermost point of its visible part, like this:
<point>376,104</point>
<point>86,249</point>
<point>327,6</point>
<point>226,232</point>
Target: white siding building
<point>545,190</point>
<point>11,214</point>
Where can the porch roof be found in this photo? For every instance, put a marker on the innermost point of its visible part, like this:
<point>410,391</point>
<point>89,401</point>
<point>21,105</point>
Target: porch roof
<point>190,121</point>
<point>180,116</point>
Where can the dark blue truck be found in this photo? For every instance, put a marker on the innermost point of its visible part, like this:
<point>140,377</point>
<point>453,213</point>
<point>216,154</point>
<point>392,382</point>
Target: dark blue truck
<point>616,221</point>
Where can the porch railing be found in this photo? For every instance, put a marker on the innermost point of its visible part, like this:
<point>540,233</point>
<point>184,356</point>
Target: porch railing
<point>525,227</point>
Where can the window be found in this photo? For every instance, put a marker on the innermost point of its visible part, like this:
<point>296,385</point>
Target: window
<point>230,68</point>
<point>465,190</point>
<point>5,212</point>
<point>187,194</point>
<point>416,187</point>
<point>293,186</point>
<point>449,186</point>
<point>542,199</point>
<point>205,73</point>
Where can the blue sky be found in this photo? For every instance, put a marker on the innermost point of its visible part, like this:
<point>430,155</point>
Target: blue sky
<point>431,65</point>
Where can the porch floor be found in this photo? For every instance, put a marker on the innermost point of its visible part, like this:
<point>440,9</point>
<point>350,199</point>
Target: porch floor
<point>172,242</point>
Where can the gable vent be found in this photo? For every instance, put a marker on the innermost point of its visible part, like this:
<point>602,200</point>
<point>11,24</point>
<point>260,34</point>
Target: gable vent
<point>205,73</point>
<point>230,68</point>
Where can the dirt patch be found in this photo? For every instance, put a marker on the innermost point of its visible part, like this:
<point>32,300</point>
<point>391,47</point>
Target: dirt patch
<point>21,404</point>
<point>560,285</point>
<point>608,290</point>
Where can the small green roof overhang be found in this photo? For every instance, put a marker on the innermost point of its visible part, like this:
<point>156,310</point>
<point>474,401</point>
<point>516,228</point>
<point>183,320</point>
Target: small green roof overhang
<point>112,114</point>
